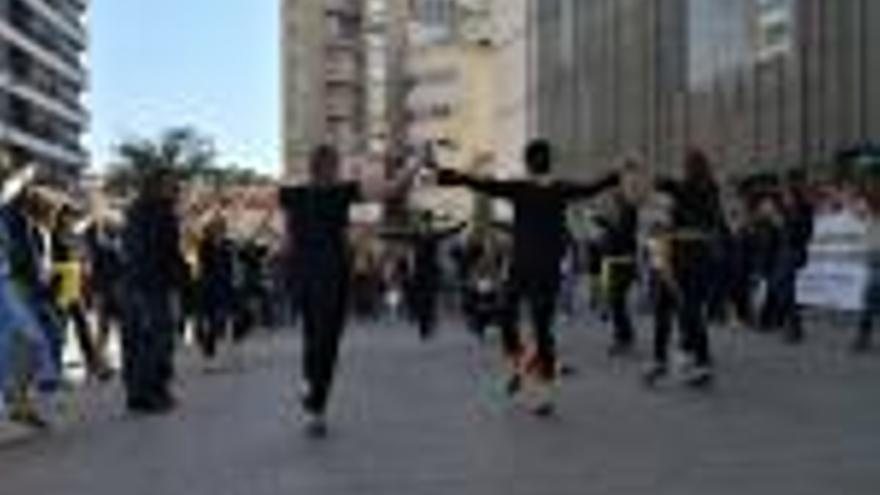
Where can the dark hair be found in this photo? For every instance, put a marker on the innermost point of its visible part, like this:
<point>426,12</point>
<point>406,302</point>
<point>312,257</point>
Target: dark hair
<point>153,182</point>
<point>698,168</point>
<point>539,157</point>
<point>320,157</point>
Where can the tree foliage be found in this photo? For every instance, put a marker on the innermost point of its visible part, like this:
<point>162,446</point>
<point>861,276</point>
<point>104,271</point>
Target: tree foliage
<point>185,151</point>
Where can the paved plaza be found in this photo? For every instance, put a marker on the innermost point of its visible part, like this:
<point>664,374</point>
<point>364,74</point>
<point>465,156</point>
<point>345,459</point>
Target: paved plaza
<point>416,419</point>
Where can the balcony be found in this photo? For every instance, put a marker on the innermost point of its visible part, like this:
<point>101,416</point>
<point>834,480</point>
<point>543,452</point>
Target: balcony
<point>63,16</point>
<point>342,73</point>
<point>36,94</point>
<point>66,65</point>
<point>40,145</point>
<point>345,8</point>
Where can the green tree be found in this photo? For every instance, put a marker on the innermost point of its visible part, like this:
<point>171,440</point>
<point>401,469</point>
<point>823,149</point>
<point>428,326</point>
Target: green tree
<point>183,150</point>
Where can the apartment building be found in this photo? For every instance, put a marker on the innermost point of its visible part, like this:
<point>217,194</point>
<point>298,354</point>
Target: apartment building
<point>42,80</point>
<point>323,79</point>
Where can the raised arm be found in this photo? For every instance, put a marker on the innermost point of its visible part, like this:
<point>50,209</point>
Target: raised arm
<point>398,235</point>
<point>571,191</point>
<point>667,186</point>
<point>395,187</point>
<point>448,232</point>
<point>490,187</point>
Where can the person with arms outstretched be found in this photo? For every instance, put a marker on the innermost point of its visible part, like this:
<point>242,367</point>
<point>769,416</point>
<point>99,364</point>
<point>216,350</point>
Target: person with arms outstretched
<point>316,216</point>
<point>540,238</point>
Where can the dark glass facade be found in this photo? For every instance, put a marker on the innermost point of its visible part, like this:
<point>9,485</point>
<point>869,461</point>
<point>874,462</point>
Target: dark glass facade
<point>761,84</point>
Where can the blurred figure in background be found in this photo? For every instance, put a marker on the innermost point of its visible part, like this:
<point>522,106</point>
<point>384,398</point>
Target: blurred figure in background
<point>797,233</point>
<point>155,274</point>
<point>68,266</point>
<point>105,281</point>
<point>215,287</point>
<point>424,278</point>
<point>697,221</point>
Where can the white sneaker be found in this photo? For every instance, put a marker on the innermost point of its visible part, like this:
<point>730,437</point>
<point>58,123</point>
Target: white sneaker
<point>538,397</point>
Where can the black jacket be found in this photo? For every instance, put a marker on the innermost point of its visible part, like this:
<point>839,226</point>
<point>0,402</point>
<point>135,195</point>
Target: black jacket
<point>151,247</point>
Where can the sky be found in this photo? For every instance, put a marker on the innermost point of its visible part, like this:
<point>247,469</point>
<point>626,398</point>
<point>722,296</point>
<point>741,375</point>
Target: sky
<point>212,64</point>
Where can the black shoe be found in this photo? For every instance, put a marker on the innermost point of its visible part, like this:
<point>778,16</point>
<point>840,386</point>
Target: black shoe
<point>698,377</point>
<point>861,346</point>
<point>545,410</point>
<point>27,415</point>
<point>566,370</point>
<point>152,407</point>
<point>654,374</point>
<point>794,338</point>
<point>315,426</point>
<point>513,385</point>
<point>620,349</point>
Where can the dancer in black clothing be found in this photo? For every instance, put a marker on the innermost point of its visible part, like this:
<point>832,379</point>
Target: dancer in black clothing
<point>797,230</point>
<point>425,278</point>
<point>316,216</point>
<point>540,237</point>
<point>155,273</point>
<point>620,271</point>
<point>215,288</point>
<point>697,220</point>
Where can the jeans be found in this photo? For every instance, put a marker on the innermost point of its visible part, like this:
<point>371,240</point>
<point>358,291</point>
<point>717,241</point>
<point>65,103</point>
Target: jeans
<point>19,318</point>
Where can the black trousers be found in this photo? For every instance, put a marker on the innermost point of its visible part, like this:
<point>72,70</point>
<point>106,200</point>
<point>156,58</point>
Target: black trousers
<point>683,300</point>
<point>214,322</point>
<point>75,314</point>
<point>108,313</point>
<point>323,297</point>
<point>481,309</point>
<point>539,292</point>
<point>148,337</point>
<point>621,277</point>
<point>740,294</point>
<point>424,305</point>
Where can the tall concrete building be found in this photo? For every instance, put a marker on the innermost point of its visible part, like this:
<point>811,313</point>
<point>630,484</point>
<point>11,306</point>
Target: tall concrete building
<point>387,85</point>
<point>761,84</point>
<point>609,78</point>
<point>784,83</point>
<point>513,106</point>
<point>323,66</point>
<point>42,80</point>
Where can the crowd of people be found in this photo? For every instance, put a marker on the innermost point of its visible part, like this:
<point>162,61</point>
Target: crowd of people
<point>701,251</point>
<point>68,271</point>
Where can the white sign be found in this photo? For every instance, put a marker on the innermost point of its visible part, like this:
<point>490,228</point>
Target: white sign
<point>836,276</point>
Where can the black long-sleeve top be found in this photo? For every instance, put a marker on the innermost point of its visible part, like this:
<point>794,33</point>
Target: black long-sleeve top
<point>696,205</point>
<point>621,229</point>
<point>540,234</point>
<point>426,246</point>
<point>151,247</point>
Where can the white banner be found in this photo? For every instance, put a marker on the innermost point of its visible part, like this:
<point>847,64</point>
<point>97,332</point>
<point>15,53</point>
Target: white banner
<point>836,275</point>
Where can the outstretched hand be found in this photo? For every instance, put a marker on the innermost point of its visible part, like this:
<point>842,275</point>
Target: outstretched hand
<point>635,181</point>
<point>447,177</point>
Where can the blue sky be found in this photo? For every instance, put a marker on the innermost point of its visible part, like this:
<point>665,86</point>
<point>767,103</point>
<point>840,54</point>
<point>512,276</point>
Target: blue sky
<point>212,64</point>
